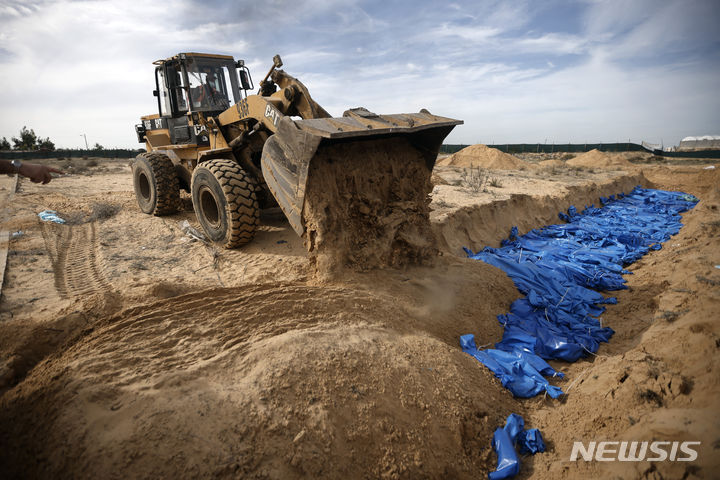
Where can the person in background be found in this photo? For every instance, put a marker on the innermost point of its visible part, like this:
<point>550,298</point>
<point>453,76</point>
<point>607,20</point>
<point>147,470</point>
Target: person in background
<point>35,172</point>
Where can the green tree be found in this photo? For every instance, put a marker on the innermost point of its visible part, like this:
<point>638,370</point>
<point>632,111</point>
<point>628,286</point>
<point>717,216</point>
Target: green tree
<point>28,140</point>
<point>98,147</point>
<point>4,144</point>
<point>45,144</point>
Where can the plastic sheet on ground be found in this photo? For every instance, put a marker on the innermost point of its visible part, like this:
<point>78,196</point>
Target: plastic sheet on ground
<point>510,439</point>
<point>559,268</point>
<point>50,216</point>
<point>519,371</point>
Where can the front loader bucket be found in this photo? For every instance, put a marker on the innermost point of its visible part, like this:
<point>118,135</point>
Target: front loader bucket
<point>357,188</point>
<point>289,153</point>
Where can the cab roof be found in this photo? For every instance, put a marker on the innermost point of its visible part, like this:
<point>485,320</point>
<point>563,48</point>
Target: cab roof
<point>194,54</point>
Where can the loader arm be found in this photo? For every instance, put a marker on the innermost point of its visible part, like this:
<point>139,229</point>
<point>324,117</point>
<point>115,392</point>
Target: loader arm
<point>292,99</point>
<point>300,101</point>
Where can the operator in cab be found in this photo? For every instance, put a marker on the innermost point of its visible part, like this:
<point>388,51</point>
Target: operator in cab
<point>209,94</point>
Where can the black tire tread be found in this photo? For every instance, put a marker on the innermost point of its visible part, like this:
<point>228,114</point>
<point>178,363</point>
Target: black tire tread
<point>166,185</point>
<point>242,204</point>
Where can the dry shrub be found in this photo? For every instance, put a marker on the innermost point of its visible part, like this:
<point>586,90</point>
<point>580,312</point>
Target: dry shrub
<point>495,182</point>
<point>474,179</point>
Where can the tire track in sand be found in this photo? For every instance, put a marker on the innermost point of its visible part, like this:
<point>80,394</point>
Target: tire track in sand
<point>201,328</point>
<point>73,254</point>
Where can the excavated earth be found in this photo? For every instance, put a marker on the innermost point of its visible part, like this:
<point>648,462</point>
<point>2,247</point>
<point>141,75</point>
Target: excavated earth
<point>367,206</point>
<point>129,349</point>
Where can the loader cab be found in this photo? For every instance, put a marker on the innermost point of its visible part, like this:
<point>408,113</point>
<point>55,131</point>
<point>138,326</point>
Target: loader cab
<point>189,83</point>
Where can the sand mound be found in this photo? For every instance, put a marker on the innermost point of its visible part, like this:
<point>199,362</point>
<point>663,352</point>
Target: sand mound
<point>484,157</point>
<point>638,156</point>
<point>367,206</point>
<point>596,158</point>
<point>272,381</point>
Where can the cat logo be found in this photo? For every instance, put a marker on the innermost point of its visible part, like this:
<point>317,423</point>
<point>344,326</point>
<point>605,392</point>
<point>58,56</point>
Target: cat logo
<point>154,124</point>
<point>272,114</point>
<point>201,135</point>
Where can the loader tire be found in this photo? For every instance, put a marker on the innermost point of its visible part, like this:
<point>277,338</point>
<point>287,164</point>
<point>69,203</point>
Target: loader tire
<point>225,204</point>
<point>156,184</point>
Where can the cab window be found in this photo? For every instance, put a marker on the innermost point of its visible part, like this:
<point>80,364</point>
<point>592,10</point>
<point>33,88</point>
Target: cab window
<point>209,88</point>
<point>172,95</point>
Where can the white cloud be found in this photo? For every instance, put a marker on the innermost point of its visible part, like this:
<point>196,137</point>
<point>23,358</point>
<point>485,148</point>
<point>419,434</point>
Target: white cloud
<point>557,44</point>
<point>644,29</point>
<point>474,34</point>
<point>623,69</point>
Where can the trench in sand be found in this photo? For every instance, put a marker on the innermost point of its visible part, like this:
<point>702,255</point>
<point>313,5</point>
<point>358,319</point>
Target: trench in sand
<point>288,379</point>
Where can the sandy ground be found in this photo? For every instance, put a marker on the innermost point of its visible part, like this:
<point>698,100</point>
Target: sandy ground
<point>130,350</point>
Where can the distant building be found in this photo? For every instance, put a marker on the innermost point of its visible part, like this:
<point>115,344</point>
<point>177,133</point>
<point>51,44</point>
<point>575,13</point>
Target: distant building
<point>651,146</point>
<point>706,142</point>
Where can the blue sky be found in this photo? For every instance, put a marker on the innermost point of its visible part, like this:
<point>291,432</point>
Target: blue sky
<point>514,71</point>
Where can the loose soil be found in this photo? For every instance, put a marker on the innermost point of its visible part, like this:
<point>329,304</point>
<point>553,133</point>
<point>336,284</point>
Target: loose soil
<point>482,156</point>
<point>596,158</point>
<point>367,206</point>
<point>129,349</point>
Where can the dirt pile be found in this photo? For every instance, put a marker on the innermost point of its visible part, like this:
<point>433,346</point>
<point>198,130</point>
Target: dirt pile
<point>483,156</point>
<point>596,158</point>
<point>636,156</point>
<point>272,381</point>
<point>367,206</point>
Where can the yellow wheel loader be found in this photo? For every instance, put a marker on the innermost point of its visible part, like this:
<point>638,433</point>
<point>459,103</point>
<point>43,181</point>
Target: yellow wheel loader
<point>237,152</point>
